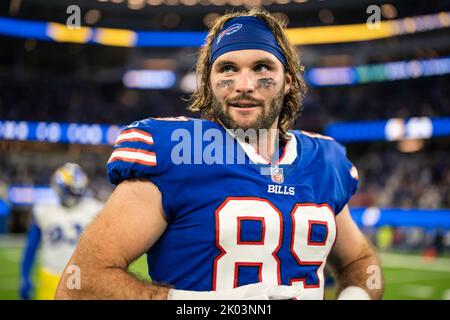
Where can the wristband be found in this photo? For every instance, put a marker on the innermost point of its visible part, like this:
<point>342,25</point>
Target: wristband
<point>354,293</point>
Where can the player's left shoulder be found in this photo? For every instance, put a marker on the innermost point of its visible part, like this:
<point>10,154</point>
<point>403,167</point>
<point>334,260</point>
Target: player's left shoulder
<point>325,150</point>
<point>319,147</point>
<point>315,136</point>
<point>328,162</point>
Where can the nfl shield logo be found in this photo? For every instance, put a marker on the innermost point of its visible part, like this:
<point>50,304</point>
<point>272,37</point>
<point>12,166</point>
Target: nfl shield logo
<point>277,174</point>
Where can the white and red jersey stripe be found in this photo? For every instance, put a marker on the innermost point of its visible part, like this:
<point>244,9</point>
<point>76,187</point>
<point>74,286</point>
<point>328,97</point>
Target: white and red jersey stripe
<point>316,135</point>
<point>134,155</point>
<point>134,135</point>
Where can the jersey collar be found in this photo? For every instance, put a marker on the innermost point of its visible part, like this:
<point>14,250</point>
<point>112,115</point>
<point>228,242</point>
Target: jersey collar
<point>287,157</point>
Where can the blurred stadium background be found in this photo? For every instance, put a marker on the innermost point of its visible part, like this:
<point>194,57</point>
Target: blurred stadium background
<point>381,89</point>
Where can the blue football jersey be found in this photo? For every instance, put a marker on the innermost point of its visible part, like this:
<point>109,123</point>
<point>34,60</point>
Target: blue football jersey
<point>235,218</point>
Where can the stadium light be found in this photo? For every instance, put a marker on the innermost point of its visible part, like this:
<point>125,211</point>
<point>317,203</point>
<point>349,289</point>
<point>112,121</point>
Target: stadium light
<point>397,70</point>
<point>59,132</point>
<point>136,4</point>
<point>154,2</point>
<point>410,145</point>
<point>188,83</point>
<point>326,16</point>
<point>189,3</point>
<point>50,31</point>
<point>389,11</point>
<point>92,16</point>
<point>149,79</point>
<point>396,129</point>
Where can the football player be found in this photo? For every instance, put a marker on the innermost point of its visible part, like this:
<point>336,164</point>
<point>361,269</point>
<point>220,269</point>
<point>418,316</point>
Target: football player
<point>56,229</point>
<point>218,213</point>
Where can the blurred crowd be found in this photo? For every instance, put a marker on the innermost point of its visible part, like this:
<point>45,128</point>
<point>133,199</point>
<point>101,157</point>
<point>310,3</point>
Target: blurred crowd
<point>393,179</point>
<point>35,168</point>
<point>421,97</point>
<point>83,102</point>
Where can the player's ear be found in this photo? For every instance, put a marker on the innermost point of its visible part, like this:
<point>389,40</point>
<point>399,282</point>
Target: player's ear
<point>287,82</point>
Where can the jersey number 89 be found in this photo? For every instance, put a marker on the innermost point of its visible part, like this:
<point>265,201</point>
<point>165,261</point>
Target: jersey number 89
<point>306,250</point>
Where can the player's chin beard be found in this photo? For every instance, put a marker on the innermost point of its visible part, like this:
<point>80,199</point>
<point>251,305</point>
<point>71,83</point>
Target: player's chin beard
<point>264,120</point>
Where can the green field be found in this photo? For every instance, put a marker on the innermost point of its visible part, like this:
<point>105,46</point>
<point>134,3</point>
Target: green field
<point>407,276</point>
<point>10,256</point>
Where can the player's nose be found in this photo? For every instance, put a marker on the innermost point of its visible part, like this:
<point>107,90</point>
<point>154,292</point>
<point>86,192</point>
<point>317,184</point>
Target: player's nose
<point>245,82</point>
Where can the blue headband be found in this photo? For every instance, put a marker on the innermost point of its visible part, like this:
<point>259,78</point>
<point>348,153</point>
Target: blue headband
<point>243,33</point>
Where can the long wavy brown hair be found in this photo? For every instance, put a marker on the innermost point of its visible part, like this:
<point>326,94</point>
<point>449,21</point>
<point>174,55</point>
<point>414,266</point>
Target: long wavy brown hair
<point>201,99</point>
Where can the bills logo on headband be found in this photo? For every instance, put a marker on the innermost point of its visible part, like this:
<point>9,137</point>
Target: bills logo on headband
<point>230,30</point>
<point>277,174</point>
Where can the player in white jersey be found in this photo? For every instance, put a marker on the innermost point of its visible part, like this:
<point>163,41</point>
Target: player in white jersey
<point>56,229</point>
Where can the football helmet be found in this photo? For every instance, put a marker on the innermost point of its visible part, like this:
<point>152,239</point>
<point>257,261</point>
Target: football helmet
<point>70,183</point>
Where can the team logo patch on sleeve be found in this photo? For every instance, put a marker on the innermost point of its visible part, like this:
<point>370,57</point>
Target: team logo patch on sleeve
<point>134,156</point>
<point>131,135</point>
